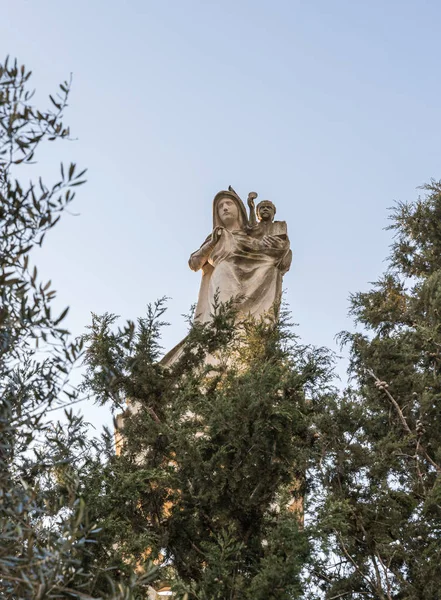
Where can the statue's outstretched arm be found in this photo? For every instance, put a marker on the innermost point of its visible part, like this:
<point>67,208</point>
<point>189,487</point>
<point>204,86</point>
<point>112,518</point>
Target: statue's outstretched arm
<point>252,221</point>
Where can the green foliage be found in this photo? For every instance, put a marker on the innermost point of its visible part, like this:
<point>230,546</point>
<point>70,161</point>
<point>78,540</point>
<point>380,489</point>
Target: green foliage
<point>215,449</point>
<point>212,455</point>
<point>380,515</point>
<point>45,529</point>
<point>220,451</point>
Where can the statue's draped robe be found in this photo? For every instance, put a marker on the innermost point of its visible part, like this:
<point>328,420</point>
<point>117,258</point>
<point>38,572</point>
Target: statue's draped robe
<point>239,267</point>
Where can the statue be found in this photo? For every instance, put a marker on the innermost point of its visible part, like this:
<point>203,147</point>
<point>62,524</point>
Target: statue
<point>266,226</point>
<point>241,259</point>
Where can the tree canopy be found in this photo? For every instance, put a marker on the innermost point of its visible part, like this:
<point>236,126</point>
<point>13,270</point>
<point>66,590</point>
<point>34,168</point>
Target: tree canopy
<point>45,531</point>
<point>381,476</point>
<point>237,472</point>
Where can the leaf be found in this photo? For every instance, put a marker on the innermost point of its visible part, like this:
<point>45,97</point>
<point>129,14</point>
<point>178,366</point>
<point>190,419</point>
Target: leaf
<point>56,104</point>
<point>61,317</point>
<point>10,282</point>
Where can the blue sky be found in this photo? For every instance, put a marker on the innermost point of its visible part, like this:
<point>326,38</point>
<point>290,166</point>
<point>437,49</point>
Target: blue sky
<point>330,109</point>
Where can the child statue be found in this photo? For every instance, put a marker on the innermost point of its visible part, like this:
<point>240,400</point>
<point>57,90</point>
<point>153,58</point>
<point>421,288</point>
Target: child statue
<point>265,213</point>
<point>266,228</point>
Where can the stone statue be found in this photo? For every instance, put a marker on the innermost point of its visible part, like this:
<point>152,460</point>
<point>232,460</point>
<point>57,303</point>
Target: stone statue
<point>267,226</point>
<point>241,259</point>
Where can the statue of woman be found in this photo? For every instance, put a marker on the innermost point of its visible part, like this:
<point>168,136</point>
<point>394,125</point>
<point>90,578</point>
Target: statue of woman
<point>237,265</point>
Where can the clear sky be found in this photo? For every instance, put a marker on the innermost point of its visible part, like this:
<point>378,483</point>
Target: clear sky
<point>329,108</point>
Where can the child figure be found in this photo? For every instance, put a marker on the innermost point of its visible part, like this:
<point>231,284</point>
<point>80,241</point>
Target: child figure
<point>266,229</point>
<point>266,225</point>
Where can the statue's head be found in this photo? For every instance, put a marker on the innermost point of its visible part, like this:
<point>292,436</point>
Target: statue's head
<point>229,211</point>
<point>266,211</point>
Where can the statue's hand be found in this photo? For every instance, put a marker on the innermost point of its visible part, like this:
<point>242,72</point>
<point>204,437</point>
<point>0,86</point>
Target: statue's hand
<point>251,197</point>
<point>217,232</point>
<point>273,242</point>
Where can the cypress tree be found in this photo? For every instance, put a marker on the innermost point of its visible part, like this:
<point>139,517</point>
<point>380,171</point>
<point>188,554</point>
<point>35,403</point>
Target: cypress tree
<point>380,513</point>
<point>209,480</point>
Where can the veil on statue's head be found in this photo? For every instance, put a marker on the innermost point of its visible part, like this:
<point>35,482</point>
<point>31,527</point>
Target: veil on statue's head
<point>230,193</point>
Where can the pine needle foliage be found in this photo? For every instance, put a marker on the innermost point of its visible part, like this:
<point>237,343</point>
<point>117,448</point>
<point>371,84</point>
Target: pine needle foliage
<point>381,512</point>
<point>213,453</point>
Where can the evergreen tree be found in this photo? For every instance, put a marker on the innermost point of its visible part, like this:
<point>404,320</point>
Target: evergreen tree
<point>210,474</point>
<point>220,453</point>
<point>380,514</point>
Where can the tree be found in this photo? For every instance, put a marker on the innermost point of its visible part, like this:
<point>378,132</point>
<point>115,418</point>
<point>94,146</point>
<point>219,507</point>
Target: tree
<point>44,526</point>
<point>213,454</point>
<point>381,510</point>
<point>219,452</point>
<point>212,457</point>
